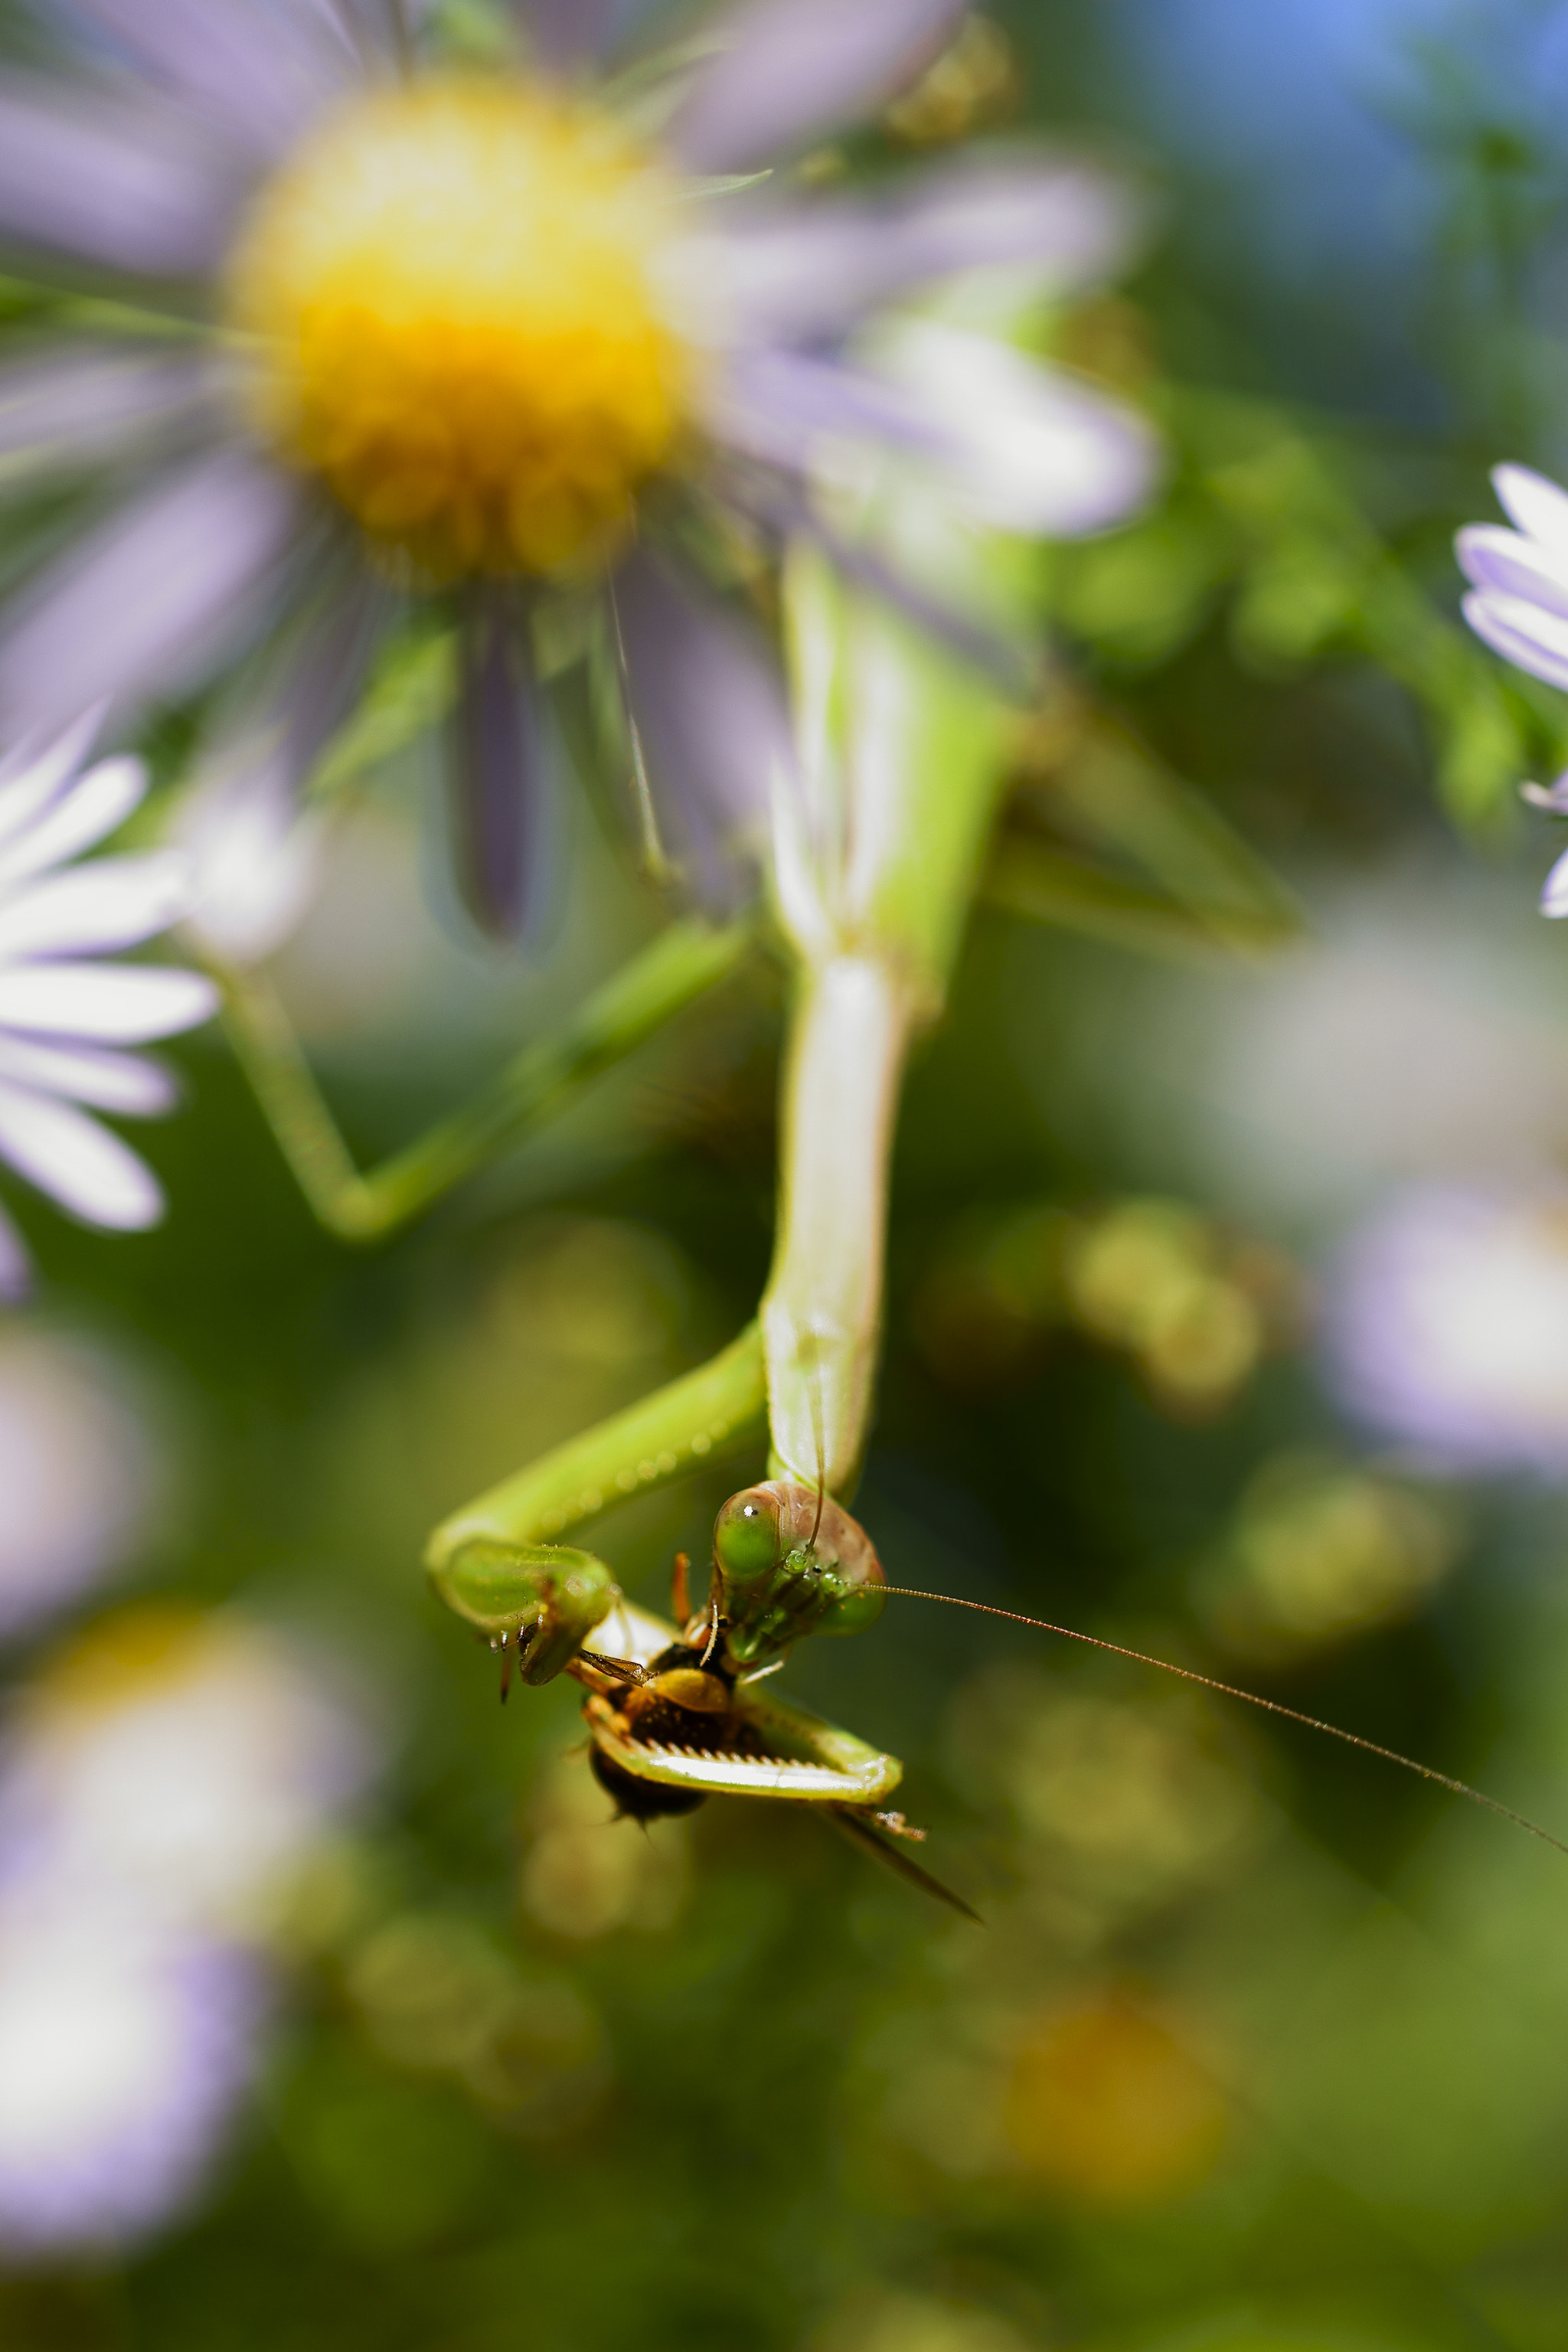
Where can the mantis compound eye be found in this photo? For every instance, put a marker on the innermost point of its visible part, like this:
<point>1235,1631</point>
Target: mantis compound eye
<point>746,1536</point>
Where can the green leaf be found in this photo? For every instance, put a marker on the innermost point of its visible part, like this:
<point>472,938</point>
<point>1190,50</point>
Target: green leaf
<point>1028,878</point>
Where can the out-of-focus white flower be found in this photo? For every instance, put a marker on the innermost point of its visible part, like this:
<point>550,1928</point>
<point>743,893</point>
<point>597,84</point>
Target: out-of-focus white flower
<point>123,2052</point>
<point>1447,1328</point>
<point>1519,604</point>
<point>77,1473</point>
<point>190,1761</point>
<point>161,1781</point>
<point>256,863</point>
<point>63,1019</point>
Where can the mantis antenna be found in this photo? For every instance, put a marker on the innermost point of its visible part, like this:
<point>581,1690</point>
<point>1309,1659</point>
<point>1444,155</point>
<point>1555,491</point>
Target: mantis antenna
<point>1229,1690</point>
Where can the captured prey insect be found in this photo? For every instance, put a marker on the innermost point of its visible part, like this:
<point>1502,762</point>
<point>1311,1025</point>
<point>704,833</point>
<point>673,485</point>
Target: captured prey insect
<point>675,1711</point>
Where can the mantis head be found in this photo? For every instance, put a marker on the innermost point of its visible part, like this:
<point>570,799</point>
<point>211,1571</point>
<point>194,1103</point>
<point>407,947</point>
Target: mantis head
<point>789,1560</point>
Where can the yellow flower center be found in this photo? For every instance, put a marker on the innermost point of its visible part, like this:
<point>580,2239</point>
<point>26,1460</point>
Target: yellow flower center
<point>450,292</point>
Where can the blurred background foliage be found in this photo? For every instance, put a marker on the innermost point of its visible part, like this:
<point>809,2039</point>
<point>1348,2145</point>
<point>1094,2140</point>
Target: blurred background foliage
<point>1261,2048</point>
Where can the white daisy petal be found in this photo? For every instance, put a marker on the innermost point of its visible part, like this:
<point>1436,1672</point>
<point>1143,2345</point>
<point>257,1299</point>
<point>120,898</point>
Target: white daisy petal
<point>81,817</point>
<point>1532,640</point>
<point>123,1004</point>
<point>77,1162</point>
<point>90,1074</point>
<point>1503,562</point>
<point>30,776</point>
<point>1539,507</point>
<point>116,902</point>
<point>1032,449</point>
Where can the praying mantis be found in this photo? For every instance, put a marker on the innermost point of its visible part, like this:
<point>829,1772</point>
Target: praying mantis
<point>880,846</point>
<point>879,841</point>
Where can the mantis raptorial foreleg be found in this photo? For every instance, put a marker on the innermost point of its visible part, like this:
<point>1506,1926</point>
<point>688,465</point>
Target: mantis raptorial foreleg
<point>499,1562</point>
<point>677,967</point>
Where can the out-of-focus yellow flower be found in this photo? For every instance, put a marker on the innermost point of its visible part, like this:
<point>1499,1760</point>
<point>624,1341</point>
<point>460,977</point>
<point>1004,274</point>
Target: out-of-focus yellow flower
<point>1121,1804</point>
<point>1155,1277</point>
<point>1107,2105</point>
<point>1196,1306</point>
<point>1320,1551</point>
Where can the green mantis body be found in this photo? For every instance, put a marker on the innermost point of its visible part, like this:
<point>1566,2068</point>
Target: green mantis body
<point>675,1711</point>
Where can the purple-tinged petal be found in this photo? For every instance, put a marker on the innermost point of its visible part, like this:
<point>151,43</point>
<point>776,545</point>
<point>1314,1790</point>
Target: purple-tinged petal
<point>498,784</point>
<point>1554,890</point>
<point>783,406</point>
<point>565,33</point>
<point>114,902</point>
<point>711,717</point>
<point>1494,559</point>
<point>1553,797</point>
<point>127,1083</point>
<point>35,770</point>
<point>77,1162</point>
<point>128,186</point>
<point>1539,507</point>
<point>257,856</point>
<point>122,1005</point>
<point>1532,640</point>
<point>89,404</point>
<point>318,673</point>
<point>147,604</point>
<point>810,270</point>
<point>784,508</point>
<point>262,72</point>
<point>80,816</point>
<point>16,1265</point>
<point>792,70</point>
<point>1031,449</point>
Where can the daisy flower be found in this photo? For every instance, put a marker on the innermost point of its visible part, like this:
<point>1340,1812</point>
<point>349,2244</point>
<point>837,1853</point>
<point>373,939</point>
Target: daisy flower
<point>393,329</point>
<point>1518,604</point>
<point>64,1020</point>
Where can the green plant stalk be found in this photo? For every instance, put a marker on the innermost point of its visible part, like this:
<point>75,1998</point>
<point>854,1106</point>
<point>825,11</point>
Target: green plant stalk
<point>677,967</point>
